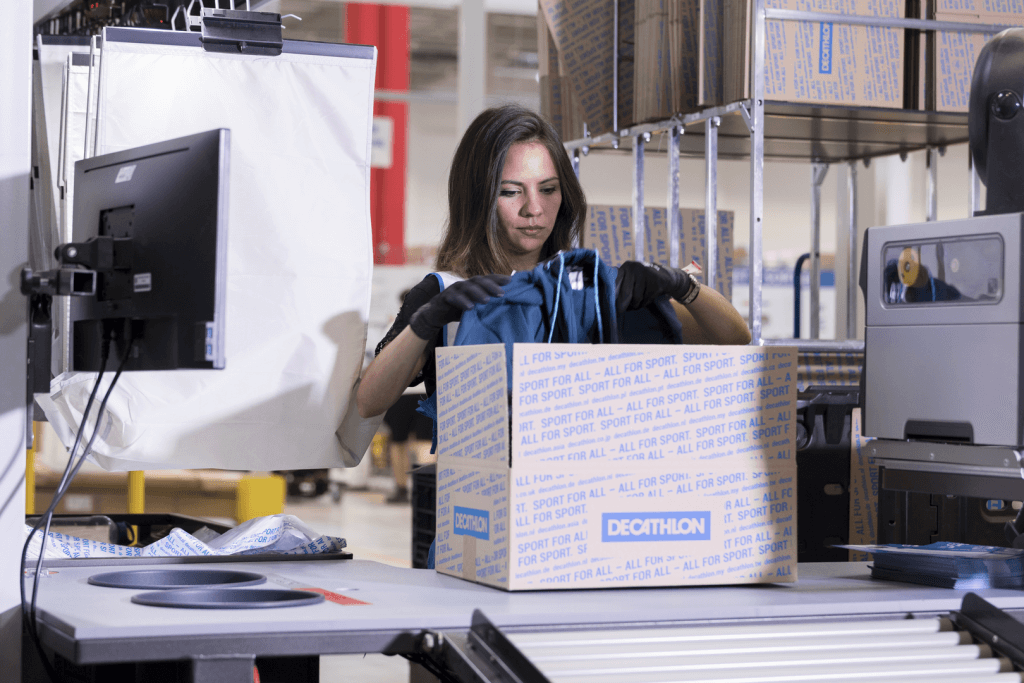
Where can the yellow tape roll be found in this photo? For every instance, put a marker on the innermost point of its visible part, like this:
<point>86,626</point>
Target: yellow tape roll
<point>912,273</point>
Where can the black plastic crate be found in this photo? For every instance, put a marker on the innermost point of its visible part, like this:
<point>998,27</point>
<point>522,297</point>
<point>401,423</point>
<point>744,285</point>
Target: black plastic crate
<point>424,497</point>
<point>824,418</point>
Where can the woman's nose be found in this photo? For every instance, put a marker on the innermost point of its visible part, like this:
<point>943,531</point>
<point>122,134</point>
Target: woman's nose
<point>531,205</point>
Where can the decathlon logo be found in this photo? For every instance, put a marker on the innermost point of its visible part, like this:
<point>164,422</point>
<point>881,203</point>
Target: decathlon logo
<point>618,527</point>
<point>470,522</point>
<point>825,49</point>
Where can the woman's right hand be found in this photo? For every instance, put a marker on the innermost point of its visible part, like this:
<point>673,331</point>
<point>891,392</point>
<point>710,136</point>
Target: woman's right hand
<point>450,304</point>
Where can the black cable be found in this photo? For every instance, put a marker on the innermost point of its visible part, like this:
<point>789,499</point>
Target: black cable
<point>59,494</point>
<point>67,469</point>
<point>30,626</point>
<point>30,615</point>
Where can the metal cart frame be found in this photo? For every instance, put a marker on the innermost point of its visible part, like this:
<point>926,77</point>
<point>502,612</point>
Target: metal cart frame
<point>905,131</point>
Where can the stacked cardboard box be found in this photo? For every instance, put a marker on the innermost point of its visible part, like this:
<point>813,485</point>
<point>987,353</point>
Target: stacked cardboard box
<point>581,36</point>
<point>547,71</point>
<point>676,56</point>
<point>670,59</point>
<point>558,100</point>
<point>818,62</point>
<point>610,232</point>
<point>955,56</point>
<point>666,72</point>
<point>956,53</point>
<point>711,53</point>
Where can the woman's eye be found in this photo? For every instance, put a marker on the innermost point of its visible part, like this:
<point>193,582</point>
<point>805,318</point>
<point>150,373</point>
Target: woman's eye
<point>549,190</point>
<point>509,193</point>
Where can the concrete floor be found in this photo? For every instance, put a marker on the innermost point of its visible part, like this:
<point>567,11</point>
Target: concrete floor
<point>375,530</point>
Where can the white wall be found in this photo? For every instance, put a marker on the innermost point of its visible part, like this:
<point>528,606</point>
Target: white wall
<point>15,73</point>
<point>432,143</point>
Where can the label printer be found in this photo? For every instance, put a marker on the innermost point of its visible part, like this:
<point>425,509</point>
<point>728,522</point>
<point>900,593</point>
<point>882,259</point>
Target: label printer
<point>944,317</point>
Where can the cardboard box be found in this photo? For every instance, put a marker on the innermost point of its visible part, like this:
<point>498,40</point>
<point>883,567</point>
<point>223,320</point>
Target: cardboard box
<point>666,71</point>
<point>948,81</point>
<point>863,491</point>
<point>818,62</point>
<point>559,102</point>
<point>1008,9</point>
<point>547,71</point>
<point>582,32</point>
<point>679,57</point>
<point>610,231</point>
<point>711,53</point>
<point>956,53</point>
<point>621,465</point>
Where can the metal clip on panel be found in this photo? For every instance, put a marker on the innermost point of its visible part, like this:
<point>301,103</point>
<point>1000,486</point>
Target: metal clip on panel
<point>238,31</point>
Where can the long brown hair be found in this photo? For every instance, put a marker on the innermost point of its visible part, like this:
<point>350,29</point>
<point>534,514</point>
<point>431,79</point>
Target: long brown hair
<point>473,242</point>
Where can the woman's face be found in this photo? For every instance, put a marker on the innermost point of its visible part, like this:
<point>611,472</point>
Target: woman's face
<point>528,201</point>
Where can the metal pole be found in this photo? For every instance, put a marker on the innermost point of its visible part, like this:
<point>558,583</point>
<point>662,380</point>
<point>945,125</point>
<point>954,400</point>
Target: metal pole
<point>883,22</point>
<point>674,219</point>
<point>471,66</point>
<point>975,190</point>
<point>575,159</point>
<point>89,103</point>
<point>818,172</point>
<point>136,492</point>
<point>933,182</point>
<point>639,241</point>
<point>30,471</point>
<point>757,173</point>
<point>615,66</point>
<point>711,200</point>
<point>851,269</point>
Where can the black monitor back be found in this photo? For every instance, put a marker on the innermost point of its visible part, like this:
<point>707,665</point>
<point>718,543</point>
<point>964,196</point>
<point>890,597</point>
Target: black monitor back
<point>166,289</point>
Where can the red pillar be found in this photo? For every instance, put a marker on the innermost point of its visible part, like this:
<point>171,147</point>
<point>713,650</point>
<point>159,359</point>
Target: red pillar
<point>387,27</point>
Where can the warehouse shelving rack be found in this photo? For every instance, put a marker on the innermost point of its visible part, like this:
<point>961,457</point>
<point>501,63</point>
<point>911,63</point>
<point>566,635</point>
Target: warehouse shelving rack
<point>757,129</point>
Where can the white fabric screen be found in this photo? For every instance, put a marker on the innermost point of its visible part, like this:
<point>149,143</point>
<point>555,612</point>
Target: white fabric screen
<point>72,147</point>
<point>49,76</point>
<point>299,256</point>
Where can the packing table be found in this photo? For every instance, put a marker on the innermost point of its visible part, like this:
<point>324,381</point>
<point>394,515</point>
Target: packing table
<point>90,625</point>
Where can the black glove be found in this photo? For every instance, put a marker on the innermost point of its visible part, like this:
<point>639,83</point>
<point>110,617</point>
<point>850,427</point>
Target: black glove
<point>637,285</point>
<point>449,305</point>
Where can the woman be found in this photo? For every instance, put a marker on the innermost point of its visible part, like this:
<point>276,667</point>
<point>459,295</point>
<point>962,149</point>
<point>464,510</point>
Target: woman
<point>514,201</point>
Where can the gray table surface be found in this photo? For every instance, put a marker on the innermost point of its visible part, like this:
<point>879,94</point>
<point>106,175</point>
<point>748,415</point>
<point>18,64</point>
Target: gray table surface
<point>91,624</point>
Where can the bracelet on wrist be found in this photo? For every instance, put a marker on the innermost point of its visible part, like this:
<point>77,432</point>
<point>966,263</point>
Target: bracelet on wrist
<point>691,295</point>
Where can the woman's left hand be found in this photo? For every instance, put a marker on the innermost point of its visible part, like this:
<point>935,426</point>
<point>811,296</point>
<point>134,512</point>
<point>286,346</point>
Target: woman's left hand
<point>637,285</point>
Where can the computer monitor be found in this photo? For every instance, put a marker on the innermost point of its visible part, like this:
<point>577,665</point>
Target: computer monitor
<point>152,223</point>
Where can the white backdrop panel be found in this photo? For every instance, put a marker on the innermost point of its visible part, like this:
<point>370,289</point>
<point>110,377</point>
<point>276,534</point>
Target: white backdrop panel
<point>299,260</point>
